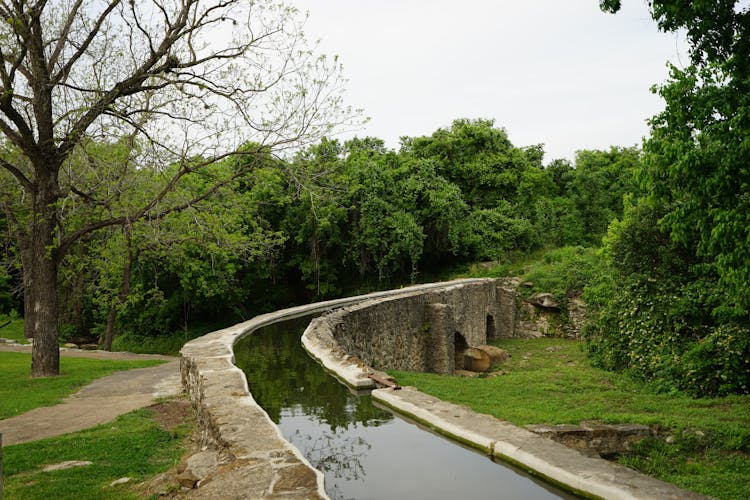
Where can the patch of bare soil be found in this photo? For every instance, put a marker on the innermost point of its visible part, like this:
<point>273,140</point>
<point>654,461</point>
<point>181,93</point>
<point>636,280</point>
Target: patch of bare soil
<point>170,414</point>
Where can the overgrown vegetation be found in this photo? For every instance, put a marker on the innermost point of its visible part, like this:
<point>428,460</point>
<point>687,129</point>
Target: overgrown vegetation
<point>657,313</point>
<point>20,393</point>
<point>551,381</point>
<point>134,446</point>
<point>563,272</point>
<point>671,305</point>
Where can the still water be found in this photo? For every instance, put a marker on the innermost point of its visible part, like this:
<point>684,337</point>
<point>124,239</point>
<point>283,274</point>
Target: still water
<point>365,451</point>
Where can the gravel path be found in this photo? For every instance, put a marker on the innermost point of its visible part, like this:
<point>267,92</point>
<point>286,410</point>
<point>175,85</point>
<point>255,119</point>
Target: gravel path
<point>97,403</point>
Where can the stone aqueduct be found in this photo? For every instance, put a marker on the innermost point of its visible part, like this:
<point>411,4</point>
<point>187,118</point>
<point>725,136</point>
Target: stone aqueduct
<point>416,331</point>
<point>242,454</point>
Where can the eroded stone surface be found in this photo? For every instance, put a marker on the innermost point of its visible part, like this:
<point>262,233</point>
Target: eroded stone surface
<point>594,438</point>
<point>416,331</point>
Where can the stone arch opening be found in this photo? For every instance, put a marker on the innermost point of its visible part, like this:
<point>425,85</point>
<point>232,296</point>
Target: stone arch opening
<point>491,329</point>
<point>459,346</point>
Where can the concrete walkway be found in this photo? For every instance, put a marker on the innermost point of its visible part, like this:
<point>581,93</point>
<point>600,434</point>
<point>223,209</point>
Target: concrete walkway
<point>97,403</point>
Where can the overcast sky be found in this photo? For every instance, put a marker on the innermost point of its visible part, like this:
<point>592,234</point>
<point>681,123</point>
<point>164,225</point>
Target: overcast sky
<point>557,72</point>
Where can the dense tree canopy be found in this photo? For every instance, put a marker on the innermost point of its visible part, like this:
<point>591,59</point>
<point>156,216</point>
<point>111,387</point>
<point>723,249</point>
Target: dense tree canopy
<point>332,219</point>
<point>698,154</point>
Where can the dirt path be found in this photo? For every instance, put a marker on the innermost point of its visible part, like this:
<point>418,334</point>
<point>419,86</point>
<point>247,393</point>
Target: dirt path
<point>97,403</point>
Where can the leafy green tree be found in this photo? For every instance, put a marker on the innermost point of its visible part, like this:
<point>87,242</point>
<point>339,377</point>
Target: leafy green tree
<point>697,155</point>
<point>190,81</point>
<point>601,180</point>
<point>681,254</point>
<point>477,157</point>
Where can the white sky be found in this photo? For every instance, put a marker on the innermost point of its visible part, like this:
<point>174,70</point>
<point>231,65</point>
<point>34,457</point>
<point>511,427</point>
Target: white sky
<point>558,72</point>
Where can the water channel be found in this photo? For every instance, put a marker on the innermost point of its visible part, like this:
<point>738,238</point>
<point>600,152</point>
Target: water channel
<point>364,450</point>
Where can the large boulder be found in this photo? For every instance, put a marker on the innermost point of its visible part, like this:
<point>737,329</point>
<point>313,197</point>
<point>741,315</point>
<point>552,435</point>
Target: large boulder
<point>497,355</point>
<point>473,359</point>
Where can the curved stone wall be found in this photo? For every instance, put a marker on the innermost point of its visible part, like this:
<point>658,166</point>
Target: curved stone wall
<point>412,331</point>
<point>249,456</point>
<point>415,331</point>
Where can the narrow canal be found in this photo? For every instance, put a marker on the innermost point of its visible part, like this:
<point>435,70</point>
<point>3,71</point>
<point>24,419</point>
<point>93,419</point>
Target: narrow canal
<point>365,451</point>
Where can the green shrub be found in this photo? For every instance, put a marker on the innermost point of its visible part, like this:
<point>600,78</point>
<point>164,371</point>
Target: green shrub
<point>654,313</point>
<point>563,272</point>
<point>720,362</point>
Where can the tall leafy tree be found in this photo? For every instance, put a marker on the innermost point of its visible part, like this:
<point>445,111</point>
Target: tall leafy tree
<point>698,154</point>
<point>190,80</point>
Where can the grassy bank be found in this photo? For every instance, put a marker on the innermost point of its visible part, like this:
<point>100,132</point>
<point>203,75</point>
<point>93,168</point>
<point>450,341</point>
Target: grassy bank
<point>20,393</point>
<point>13,328</point>
<point>550,381</point>
<point>137,445</point>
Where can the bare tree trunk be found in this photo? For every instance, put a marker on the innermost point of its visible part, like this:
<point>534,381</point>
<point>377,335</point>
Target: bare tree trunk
<point>40,267</point>
<point>109,334</point>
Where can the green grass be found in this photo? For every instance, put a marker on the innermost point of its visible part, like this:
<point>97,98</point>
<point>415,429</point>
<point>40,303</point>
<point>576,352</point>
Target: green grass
<point>14,330</point>
<point>19,392</point>
<point>133,446</point>
<point>169,345</point>
<point>550,381</point>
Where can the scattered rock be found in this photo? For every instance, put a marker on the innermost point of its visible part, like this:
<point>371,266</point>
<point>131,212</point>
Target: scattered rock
<point>546,300</point>
<point>465,373</point>
<point>90,347</point>
<point>187,479</point>
<point>66,465</point>
<point>120,481</point>
<point>70,345</point>
<point>553,348</point>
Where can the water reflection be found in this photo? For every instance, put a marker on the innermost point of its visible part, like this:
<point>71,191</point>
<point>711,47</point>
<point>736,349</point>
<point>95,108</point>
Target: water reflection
<point>364,452</point>
<point>287,382</point>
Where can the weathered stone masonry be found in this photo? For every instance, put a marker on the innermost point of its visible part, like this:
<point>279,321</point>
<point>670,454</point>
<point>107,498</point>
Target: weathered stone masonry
<point>417,331</point>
